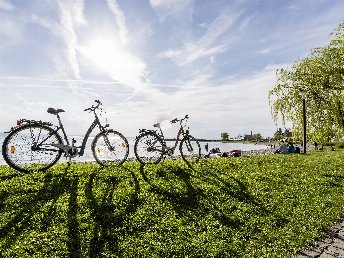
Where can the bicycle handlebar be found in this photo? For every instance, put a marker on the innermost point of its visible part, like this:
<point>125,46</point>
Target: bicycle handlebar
<point>179,120</point>
<point>93,108</point>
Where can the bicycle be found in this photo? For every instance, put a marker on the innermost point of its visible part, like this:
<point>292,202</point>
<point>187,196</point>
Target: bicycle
<point>36,146</point>
<point>150,146</point>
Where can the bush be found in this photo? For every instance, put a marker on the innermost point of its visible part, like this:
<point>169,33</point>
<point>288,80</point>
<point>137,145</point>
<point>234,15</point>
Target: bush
<point>340,145</point>
<point>329,144</point>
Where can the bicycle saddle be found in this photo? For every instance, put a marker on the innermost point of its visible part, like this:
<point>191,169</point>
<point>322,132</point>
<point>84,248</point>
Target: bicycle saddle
<point>54,111</point>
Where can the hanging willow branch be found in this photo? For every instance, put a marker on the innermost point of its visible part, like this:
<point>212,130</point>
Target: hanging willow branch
<point>321,76</point>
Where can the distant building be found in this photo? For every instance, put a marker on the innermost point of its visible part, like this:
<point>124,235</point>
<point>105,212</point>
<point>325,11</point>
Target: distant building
<point>248,137</point>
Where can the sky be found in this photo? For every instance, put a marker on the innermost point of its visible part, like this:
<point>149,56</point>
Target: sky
<point>152,61</point>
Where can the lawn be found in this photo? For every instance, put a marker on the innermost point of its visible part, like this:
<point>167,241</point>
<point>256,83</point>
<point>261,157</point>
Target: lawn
<point>259,206</point>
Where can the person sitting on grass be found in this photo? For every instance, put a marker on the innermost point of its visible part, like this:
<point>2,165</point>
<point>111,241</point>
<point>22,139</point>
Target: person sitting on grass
<point>291,148</point>
<point>283,149</point>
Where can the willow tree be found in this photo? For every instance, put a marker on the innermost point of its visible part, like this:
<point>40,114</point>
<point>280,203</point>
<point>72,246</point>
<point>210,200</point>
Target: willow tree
<point>320,79</point>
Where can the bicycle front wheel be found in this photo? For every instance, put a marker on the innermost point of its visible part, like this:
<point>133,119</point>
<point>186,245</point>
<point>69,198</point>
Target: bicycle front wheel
<point>190,149</point>
<point>110,148</point>
<point>149,148</point>
<point>31,148</point>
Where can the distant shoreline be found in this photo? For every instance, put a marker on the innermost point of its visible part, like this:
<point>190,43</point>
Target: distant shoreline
<point>230,141</point>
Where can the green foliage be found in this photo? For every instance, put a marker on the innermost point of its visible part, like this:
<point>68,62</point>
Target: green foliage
<point>260,206</point>
<point>224,136</point>
<point>329,143</point>
<point>257,137</point>
<point>321,77</point>
<point>279,134</point>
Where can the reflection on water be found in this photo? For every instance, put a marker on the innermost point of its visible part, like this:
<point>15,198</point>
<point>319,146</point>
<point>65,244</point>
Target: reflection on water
<point>88,156</point>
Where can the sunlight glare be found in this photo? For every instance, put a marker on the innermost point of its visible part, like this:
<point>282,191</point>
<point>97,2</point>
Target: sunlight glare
<point>115,60</point>
<point>102,52</point>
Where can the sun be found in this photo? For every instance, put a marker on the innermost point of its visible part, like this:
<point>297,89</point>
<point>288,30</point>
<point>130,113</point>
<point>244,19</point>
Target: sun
<point>103,53</point>
<point>114,59</point>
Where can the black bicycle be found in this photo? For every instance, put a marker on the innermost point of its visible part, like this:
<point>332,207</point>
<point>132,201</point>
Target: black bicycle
<point>150,145</point>
<point>36,145</point>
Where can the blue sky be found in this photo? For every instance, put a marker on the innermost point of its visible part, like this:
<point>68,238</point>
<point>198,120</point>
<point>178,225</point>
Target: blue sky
<point>150,61</point>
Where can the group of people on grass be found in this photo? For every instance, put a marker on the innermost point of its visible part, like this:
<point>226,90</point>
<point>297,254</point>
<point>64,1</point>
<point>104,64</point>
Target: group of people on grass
<point>287,148</point>
<point>284,148</point>
<point>216,153</point>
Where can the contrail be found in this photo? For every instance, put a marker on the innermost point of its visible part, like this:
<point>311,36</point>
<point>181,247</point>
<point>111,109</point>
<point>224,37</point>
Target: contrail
<point>59,80</point>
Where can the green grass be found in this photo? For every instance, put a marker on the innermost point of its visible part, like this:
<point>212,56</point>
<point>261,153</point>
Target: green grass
<point>339,145</point>
<point>259,206</point>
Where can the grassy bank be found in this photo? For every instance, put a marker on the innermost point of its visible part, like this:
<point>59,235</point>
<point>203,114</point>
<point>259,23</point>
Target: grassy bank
<point>256,206</point>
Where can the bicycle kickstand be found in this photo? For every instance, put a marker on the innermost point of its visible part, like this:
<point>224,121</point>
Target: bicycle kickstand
<point>69,162</point>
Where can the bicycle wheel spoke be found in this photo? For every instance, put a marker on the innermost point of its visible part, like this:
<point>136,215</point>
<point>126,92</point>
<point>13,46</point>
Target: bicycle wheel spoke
<point>148,148</point>
<point>21,150</point>
<point>110,148</point>
<point>190,149</point>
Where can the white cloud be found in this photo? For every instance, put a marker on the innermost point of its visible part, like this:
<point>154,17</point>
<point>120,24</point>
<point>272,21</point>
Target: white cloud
<point>10,29</point>
<point>207,45</point>
<point>120,19</point>
<point>168,8</point>
<point>49,24</point>
<point>245,24</point>
<point>234,105</point>
<point>265,51</point>
<point>6,5</point>
<point>191,53</point>
<point>71,18</point>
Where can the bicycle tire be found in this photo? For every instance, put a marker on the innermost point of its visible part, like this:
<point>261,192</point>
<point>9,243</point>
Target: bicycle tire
<point>142,146</point>
<point>115,154</point>
<point>190,149</point>
<point>18,152</point>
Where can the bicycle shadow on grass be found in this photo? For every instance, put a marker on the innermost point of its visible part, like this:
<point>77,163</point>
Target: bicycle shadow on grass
<point>333,180</point>
<point>189,193</point>
<point>174,183</point>
<point>31,203</point>
<point>231,185</point>
<point>12,173</point>
<point>99,192</point>
<point>108,211</point>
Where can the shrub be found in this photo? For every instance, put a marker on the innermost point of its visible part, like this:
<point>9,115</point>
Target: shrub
<point>340,145</point>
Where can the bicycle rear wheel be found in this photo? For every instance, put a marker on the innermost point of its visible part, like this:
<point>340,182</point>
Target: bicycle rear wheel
<point>190,149</point>
<point>148,148</point>
<point>31,148</point>
<point>110,148</point>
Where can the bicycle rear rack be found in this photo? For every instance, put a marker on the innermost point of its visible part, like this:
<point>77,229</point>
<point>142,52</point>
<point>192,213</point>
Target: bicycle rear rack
<point>147,131</point>
<point>24,121</point>
<point>35,122</point>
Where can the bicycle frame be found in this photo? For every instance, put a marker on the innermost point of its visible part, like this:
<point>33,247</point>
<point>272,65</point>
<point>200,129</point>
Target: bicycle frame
<point>67,147</point>
<point>181,132</point>
<point>95,123</point>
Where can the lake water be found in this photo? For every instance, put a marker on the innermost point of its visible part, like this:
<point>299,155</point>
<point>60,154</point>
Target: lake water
<point>224,147</point>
